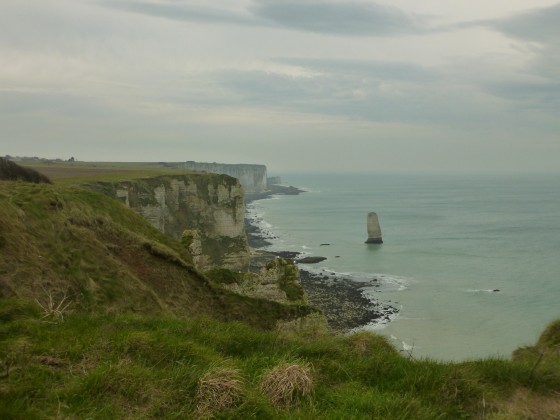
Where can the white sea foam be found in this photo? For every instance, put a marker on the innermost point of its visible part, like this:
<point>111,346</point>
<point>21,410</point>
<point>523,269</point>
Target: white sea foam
<point>483,290</point>
<point>381,322</point>
<point>255,215</point>
<point>373,282</point>
<point>406,346</point>
<point>309,190</point>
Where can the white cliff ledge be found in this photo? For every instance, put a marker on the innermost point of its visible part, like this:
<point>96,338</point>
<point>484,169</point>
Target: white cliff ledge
<point>253,178</point>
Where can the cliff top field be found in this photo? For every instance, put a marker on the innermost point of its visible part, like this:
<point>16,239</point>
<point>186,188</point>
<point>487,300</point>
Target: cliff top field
<point>104,316</point>
<point>77,172</point>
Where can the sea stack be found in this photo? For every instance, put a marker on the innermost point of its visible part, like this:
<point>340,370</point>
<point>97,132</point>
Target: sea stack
<point>373,229</point>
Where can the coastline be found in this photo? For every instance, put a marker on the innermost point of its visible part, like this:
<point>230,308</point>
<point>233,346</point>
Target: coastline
<point>339,297</point>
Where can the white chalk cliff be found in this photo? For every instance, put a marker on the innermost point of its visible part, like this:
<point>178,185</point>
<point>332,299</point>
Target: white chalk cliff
<point>205,211</point>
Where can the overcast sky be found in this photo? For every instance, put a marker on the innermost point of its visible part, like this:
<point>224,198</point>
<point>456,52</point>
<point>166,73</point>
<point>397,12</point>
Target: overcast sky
<point>298,85</point>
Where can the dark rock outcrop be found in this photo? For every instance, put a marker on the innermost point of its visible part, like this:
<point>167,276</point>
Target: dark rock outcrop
<point>310,260</point>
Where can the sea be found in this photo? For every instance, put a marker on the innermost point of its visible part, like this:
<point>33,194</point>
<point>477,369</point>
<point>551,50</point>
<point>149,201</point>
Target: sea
<point>471,261</point>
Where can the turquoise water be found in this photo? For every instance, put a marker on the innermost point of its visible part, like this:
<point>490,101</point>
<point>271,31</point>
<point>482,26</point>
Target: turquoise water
<point>448,241</point>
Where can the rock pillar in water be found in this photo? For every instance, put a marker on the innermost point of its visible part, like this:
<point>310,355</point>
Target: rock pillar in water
<point>373,229</point>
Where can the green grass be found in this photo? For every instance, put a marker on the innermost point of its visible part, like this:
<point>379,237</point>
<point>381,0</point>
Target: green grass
<point>138,366</point>
<point>225,276</point>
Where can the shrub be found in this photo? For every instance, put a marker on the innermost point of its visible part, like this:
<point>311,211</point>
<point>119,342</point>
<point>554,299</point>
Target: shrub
<point>13,172</point>
<point>287,383</point>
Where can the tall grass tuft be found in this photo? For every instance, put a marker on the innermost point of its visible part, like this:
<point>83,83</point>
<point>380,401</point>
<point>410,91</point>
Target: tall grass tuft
<point>53,310</point>
<point>365,343</point>
<point>219,389</point>
<point>288,383</point>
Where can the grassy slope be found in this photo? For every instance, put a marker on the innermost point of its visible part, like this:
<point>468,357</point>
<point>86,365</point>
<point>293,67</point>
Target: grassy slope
<point>138,366</point>
<point>64,241</point>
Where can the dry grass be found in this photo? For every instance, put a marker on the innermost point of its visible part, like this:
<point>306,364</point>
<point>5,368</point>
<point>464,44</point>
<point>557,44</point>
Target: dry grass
<point>525,404</point>
<point>218,390</point>
<point>53,310</point>
<point>362,344</point>
<point>365,343</point>
<point>287,383</point>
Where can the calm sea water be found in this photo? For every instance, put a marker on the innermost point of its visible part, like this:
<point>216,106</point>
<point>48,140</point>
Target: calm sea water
<point>448,242</point>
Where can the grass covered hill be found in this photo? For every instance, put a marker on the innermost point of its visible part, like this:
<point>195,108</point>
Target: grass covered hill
<point>65,245</point>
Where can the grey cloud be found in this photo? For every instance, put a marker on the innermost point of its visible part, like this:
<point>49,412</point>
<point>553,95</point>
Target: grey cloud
<point>542,24</point>
<point>349,18</point>
<point>352,96</point>
<point>13,102</point>
<point>181,11</point>
<point>371,90</point>
<point>543,96</point>
<point>340,17</point>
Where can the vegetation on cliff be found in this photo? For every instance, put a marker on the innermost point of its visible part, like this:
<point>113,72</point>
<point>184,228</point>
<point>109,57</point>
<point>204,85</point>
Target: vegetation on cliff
<point>277,280</point>
<point>12,171</point>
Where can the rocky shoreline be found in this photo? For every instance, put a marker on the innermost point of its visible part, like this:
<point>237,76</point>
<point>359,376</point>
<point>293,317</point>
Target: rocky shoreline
<point>343,302</point>
<point>340,298</point>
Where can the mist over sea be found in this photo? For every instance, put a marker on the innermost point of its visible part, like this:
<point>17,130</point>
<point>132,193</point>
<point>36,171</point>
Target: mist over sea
<point>449,241</point>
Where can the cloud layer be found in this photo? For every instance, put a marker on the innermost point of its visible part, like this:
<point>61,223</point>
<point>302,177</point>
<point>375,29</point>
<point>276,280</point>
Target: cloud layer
<point>254,80</point>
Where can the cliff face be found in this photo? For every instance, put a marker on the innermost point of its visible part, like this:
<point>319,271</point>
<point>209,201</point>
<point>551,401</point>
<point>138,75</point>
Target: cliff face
<point>204,211</point>
<point>252,177</point>
<point>274,180</point>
